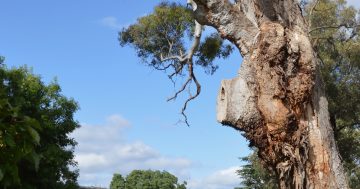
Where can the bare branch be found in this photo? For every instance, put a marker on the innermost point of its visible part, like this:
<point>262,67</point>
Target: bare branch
<point>173,57</point>
<point>177,70</point>
<point>333,27</point>
<point>182,88</point>
<point>185,59</point>
<point>164,68</point>
<point>311,12</point>
<point>198,90</point>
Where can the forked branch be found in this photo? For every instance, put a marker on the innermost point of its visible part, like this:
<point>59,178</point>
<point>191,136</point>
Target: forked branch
<point>191,75</point>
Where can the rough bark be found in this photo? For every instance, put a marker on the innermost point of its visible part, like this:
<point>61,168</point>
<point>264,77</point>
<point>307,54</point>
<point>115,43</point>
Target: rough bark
<point>277,99</point>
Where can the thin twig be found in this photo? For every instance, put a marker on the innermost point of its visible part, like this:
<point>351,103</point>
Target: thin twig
<point>333,27</point>
<point>182,88</point>
<point>311,12</point>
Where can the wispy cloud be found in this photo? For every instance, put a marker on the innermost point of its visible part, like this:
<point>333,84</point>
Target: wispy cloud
<point>111,22</point>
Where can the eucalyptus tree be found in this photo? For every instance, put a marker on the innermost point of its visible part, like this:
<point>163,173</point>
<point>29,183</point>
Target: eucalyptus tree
<point>334,35</point>
<point>278,98</point>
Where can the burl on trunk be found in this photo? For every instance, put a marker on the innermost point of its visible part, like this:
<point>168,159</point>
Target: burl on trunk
<point>277,99</point>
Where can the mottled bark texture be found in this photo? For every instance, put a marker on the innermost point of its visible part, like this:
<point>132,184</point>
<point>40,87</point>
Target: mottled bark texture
<point>277,99</point>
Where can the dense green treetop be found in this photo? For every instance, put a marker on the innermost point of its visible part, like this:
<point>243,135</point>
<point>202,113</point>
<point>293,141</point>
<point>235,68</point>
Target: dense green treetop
<point>146,179</point>
<point>35,122</point>
<point>117,182</point>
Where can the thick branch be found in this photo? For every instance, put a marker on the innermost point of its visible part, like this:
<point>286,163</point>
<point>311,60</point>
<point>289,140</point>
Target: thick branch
<point>169,56</point>
<point>196,42</point>
<point>173,57</point>
<point>236,23</point>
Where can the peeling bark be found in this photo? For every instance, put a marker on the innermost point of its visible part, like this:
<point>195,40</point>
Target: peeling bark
<point>277,99</point>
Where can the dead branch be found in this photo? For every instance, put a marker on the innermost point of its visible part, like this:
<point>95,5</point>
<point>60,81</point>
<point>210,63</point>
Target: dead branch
<point>198,90</point>
<point>182,88</point>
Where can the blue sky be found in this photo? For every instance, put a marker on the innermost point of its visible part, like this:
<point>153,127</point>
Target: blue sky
<point>126,122</point>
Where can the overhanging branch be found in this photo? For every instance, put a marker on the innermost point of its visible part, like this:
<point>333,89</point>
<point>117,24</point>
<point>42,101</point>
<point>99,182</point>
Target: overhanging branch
<point>185,59</point>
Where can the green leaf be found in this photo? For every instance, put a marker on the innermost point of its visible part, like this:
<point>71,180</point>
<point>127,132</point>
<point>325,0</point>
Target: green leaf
<point>35,135</point>
<point>9,141</point>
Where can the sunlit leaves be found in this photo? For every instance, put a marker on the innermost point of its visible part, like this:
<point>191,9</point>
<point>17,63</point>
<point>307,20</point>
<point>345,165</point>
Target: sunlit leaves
<point>117,182</point>
<point>167,32</point>
<point>161,32</point>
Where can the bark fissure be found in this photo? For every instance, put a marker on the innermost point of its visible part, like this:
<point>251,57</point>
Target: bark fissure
<point>277,99</point>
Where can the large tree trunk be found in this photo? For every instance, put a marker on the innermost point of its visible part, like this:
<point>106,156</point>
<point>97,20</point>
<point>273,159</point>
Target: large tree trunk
<point>277,99</point>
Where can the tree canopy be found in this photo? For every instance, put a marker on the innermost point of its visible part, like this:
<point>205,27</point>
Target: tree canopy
<point>35,123</point>
<point>161,39</point>
<point>146,179</point>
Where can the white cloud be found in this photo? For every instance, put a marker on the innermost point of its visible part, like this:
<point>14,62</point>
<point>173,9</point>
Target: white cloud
<point>103,150</point>
<point>111,22</point>
<point>222,179</point>
<point>90,160</point>
<point>135,151</point>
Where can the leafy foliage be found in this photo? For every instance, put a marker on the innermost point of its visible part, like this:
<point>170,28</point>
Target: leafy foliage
<point>213,47</point>
<point>35,120</point>
<point>336,39</point>
<point>254,175</point>
<point>164,32</point>
<point>140,179</point>
<point>117,182</point>
<point>160,40</point>
<point>160,32</point>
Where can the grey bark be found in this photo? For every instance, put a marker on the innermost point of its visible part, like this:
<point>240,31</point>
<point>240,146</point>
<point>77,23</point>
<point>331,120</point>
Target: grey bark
<point>277,99</point>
